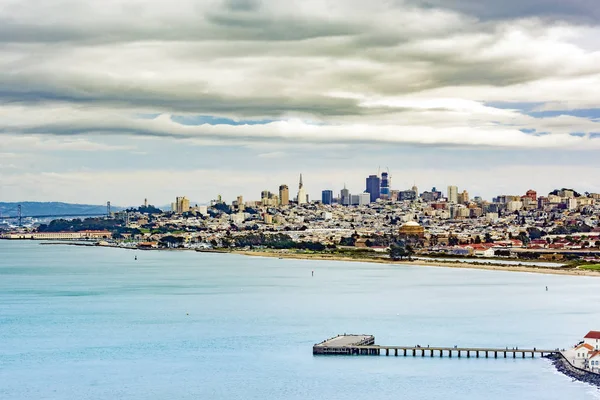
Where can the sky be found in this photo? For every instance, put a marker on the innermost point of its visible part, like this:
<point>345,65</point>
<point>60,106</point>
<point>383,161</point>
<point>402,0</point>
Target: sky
<point>124,100</point>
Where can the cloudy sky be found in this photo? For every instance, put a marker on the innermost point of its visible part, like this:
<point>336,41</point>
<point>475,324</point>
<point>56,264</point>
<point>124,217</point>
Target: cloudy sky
<point>122,100</point>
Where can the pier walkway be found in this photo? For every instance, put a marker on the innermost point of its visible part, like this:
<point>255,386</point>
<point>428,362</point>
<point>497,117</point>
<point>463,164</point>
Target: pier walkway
<point>365,345</point>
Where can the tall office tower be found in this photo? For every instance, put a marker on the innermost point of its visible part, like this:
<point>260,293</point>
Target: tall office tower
<point>327,196</point>
<point>453,194</point>
<point>345,198</point>
<point>384,191</point>
<point>284,195</point>
<point>182,205</point>
<point>373,187</point>
<point>265,195</point>
<point>301,192</point>
<point>464,197</point>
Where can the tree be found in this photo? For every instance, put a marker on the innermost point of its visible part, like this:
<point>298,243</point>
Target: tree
<point>534,233</point>
<point>477,239</point>
<point>523,238</point>
<point>410,251</point>
<point>398,251</point>
<point>488,238</point>
<point>171,241</point>
<point>452,240</point>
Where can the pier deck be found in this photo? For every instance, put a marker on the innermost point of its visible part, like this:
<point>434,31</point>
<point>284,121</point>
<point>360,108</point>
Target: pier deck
<point>365,345</point>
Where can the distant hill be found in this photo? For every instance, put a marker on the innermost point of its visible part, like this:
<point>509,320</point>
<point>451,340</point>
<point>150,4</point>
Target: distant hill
<point>52,208</point>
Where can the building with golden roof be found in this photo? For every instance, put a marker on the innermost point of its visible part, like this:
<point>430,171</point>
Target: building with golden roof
<point>412,228</point>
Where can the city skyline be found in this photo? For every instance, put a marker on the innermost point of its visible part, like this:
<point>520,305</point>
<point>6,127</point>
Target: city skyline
<point>346,197</point>
<point>234,96</point>
<point>254,193</point>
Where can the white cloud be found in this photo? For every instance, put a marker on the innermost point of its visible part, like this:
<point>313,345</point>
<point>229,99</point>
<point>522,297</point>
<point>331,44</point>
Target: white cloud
<point>335,73</point>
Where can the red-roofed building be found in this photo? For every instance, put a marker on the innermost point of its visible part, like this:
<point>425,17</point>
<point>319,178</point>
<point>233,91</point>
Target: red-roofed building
<point>593,339</point>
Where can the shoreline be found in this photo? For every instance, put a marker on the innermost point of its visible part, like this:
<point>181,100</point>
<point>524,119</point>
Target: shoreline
<point>340,258</point>
<point>423,263</point>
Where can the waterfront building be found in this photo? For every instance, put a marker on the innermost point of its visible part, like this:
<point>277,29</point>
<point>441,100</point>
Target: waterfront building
<point>452,194</point>
<point>593,339</point>
<point>373,187</point>
<point>384,190</point>
<point>81,235</point>
<point>302,198</point>
<point>284,195</point>
<point>327,197</point>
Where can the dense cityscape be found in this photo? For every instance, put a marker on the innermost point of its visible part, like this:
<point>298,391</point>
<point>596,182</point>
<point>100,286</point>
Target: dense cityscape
<point>562,225</point>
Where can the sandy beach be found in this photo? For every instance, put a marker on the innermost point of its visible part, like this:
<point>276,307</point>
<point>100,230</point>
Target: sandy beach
<point>415,263</point>
<point>418,263</point>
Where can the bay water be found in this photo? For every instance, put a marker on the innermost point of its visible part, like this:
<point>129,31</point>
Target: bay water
<point>94,323</point>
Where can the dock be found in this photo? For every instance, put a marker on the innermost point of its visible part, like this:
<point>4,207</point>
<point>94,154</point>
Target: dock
<point>365,345</point>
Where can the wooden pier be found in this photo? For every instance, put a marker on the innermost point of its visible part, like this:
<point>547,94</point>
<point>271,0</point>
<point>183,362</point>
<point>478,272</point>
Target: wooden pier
<point>365,345</point>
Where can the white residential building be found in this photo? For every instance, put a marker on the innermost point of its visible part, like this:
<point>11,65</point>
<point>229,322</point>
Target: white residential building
<point>593,339</point>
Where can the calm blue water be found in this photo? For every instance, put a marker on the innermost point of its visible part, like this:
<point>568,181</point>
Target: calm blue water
<point>92,323</point>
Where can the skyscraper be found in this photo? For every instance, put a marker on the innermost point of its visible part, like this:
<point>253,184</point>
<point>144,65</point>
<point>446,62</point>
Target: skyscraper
<point>453,194</point>
<point>463,198</point>
<point>301,192</point>
<point>373,187</point>
<point>182,205</point>
<point>327,196</point>
<point>345,198</point>
<point>284,195</point>
<point>385,186</point>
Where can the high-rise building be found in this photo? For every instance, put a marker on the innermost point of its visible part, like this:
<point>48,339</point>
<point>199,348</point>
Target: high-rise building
<point>453,194</point>
<point>345,196</point>
<point>269,199</point>
<point>384,190</point>
<point>327,196</point>
<point>302,198</point>
<point>364,199</point>
<point>463,198</point>
<point>373,187</point>
<point>284,195</point>
<point>182,205</point>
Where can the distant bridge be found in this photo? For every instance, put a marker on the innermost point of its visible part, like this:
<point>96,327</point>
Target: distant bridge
<point>20,215</point>
<point>53,216</point>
